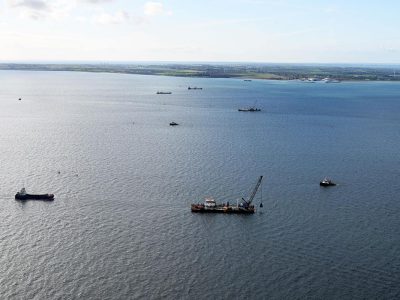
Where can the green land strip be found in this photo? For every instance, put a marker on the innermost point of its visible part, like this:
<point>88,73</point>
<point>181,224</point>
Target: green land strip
<point>237,70</point>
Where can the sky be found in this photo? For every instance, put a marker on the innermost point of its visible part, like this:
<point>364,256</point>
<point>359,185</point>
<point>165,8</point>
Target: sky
<point>269,31</point>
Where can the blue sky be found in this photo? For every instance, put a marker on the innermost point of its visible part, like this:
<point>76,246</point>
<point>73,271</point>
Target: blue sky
<point>289,31</point>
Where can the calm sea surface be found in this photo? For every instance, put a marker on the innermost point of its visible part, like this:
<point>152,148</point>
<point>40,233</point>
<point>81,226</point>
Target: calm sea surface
<point>120,226</point>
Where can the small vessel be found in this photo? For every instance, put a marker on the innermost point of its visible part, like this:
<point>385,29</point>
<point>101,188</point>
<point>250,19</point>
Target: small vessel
<point>23,195</point>
<point>244,207</point>
<point>247,80</point>
<point>249,109</point>
<point>163,93</point>
<point>173,124</point>
<point>326,182</point>
<point>194,88</point>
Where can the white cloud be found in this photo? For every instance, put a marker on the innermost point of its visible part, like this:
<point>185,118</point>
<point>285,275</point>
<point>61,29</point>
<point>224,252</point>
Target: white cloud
<point>78,9</point>
<point>30,4</point>
<point>153,8</point>
<point>34,9</point>
<point>41,9</point>
<point>55,9</point>
<point>95,1</point>
<point>112,18</point>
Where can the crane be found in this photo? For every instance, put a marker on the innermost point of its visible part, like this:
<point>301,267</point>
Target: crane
<point>253,193</point>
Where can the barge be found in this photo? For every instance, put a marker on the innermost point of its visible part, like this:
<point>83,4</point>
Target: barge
<point>244,207</point>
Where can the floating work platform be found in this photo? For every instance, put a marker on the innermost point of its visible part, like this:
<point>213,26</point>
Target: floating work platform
<point>244,207</point>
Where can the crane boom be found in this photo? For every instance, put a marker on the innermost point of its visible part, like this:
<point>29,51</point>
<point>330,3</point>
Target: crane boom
<point>254,192</point>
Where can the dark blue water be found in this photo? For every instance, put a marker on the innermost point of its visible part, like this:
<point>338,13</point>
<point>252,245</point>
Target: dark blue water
<point>121,227</point>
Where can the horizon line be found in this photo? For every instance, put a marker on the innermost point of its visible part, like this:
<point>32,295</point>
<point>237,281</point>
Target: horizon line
<point>191,62</point>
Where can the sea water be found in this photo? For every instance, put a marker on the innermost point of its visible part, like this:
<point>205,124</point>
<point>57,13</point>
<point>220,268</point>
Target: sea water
<point>120,226</point>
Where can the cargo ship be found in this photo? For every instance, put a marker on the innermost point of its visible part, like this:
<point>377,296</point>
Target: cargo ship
<point>23,195</point>
<point>244,207</point>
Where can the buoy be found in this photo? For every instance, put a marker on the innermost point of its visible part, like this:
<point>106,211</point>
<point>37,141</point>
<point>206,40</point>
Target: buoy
<point>261,205</point>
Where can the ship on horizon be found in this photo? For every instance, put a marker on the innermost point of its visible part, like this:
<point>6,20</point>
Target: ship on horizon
<point>252,109</point>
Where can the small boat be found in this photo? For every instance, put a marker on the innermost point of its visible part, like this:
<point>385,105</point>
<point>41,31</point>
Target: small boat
<point>23,195</point>
<point>163,93</point>
<point>326,182</point>
<point>173,124</point>
<point>249,109</point>
<point>194,88</point>
<point>247,80</point>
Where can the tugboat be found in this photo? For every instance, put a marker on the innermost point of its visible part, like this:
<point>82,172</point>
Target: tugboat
<point>326,182</point>
<point>23,195</point>
<point>244,207</point>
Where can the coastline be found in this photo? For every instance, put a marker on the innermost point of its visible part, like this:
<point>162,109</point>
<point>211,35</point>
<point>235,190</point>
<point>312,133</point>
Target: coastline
<point>307,73</point>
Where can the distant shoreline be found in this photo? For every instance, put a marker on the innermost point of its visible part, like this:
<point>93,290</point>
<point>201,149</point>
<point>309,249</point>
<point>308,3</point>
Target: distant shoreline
<point>240,71</point>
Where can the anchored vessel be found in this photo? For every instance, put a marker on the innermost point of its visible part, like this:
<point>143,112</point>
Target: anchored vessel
<point>249,109</point>
<point>23,195</point>
<point>244,207</point>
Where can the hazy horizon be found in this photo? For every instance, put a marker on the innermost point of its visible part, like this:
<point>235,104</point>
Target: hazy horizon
<point>241,31</point>
<point>137,62</point>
